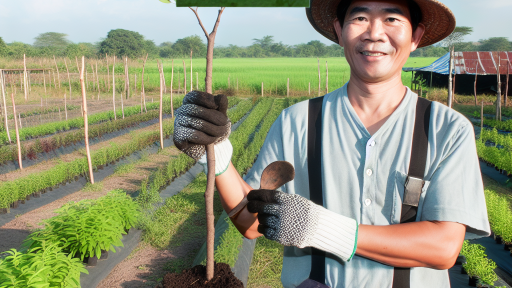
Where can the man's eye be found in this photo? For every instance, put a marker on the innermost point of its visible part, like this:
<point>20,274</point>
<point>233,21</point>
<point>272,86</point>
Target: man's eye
<point>360,18</point>
<point>392,19</point>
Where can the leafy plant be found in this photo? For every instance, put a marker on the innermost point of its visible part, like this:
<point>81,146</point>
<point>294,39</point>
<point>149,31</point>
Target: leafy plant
<point>477,263</point>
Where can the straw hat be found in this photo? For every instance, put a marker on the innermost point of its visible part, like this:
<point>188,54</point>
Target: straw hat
<point>438,19</point>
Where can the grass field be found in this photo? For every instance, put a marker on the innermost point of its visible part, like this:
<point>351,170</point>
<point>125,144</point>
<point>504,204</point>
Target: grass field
<point>273,72</point>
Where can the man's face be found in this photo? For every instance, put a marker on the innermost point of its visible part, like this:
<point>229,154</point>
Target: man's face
<point>377,38</point>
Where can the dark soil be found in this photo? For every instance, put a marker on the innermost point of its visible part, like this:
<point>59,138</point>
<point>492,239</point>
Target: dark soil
<point>196,277</point>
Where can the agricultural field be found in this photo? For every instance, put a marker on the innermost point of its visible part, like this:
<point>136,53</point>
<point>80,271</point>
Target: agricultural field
<point>147,202</point>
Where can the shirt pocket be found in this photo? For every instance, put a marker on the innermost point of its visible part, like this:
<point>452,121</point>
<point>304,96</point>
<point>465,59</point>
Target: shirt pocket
<point>398,196</point>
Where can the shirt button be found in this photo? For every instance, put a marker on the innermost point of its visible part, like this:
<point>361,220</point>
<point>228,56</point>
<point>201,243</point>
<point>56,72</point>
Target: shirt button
<point>373,143</point>
<point>369,172</point>
<point>367,202</point>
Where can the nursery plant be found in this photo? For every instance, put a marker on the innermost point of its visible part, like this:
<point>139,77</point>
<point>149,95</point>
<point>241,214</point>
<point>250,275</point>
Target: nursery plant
<point>478,264</point>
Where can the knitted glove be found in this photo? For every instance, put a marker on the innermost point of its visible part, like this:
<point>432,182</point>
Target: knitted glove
<point>202,120</point>
<point>293,220</point>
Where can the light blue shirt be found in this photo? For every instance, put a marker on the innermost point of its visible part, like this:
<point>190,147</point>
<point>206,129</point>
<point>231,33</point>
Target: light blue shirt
<point>363,177</point>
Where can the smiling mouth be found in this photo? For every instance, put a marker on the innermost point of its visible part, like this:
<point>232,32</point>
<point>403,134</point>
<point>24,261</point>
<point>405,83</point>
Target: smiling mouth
<point>366,53</point>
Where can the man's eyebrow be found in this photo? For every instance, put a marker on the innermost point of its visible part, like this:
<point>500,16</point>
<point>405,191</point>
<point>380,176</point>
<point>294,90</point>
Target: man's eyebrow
<point>394,11</point>
<point>358,9</point>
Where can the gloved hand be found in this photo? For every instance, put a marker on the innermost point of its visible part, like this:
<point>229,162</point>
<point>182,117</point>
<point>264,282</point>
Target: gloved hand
<point>293,220</point>
<point>202,120</point>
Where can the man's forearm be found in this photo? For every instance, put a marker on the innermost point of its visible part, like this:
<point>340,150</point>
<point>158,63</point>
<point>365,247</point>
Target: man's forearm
<point>232,189</point>
<point>417,244</point>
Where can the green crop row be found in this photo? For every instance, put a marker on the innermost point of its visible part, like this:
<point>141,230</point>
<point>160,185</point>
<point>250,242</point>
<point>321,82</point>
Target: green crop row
<point>50,257</point>
<point>500,125</point>
<point>54,127</point>
<point>501,158</point>
<point>30,150</point>
<point>242,108</point>
<point>45,110</point>
<point>500,215</point>
<point>497,138</point>
<point>66,171</point>
<point>477,264</point>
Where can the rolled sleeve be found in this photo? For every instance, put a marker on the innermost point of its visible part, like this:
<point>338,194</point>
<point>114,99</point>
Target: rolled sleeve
<point>456,192</point>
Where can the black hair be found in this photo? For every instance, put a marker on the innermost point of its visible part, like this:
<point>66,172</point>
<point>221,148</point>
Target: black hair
<point>414,10</point>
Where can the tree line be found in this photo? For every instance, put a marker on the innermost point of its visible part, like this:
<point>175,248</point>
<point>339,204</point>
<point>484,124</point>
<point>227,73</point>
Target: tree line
<point>132,44</point>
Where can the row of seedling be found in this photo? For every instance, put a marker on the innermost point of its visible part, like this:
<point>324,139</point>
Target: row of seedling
<point>500,218</point>
<point>479,268</point>
<point>501,159</point>
<point>80,232</point>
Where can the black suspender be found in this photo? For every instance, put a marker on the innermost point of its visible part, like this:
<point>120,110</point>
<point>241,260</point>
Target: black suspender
<point>315,178</point>
<point>413,184</point>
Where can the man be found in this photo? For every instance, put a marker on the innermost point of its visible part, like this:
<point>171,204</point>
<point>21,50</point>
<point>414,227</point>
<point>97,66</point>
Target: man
<point>366,148</point>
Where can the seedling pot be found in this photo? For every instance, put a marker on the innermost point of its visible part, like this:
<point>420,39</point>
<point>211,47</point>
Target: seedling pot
<point>100,167</point>
<point>3,210</point>
<point>223,278</point>
<point>497,239</point>
<point>104,255</point>
<point>22,201</point>
<point>473,280</point>
<point>460,260</point>
<point>76,178</point>
<point>36,194</point>
<point>463,270</point>
<point>91,261</point>
<point>51,188</point>
<point>27,197</point>
<point>15,204</point>
<point>507,246</point>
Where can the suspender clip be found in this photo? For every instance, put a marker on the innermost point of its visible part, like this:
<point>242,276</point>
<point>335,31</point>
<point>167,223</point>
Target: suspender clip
<point>412,191</point>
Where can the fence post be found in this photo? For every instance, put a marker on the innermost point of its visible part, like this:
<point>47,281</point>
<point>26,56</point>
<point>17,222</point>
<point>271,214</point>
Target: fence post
<point>261,89</point>
<point>17,132</point>
<point>288,88</point>
<point>86,124</point>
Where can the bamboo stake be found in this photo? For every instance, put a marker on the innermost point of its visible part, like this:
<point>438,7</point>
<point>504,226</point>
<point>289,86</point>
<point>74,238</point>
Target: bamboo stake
<point>127,80</point>
<point>25,77</point>
<point>172,77</point>
<point>17,132</point>
<point>86,80</point>
<point>2,83</point>
<point>86,124</point>
<point>54,82</point>
<point>506,87</point>
<point>197,81</point>
<point>163,75</point>
<point>114,86</point>
<point>108,72</point>
<point>450,81</point>
<point>184,77</point>
<point>77,67</point>
<point>288,88</point>
<point>69,78</point>
<point>319,88</point>
<point>65,107</point>
<point>98,80</point>
<point>191,77</point>
<point>498,99</point>
<point>476,75</point>
<point>179,82</point>
<point>261,89</point>
<point>326,78</point>
<point>19,117</point>
<point>482,118</point>
<point>143,92</point>
<point>160,117</point>
<point>44,83</point>
<point>57,67</point>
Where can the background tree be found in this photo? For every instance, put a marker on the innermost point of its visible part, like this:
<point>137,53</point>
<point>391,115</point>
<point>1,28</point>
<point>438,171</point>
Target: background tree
<point>495,44</point>
<point>52,39</point>
<point>3,47</point>
<point>122,42</point>
<point>457,36</point>
<point>81,49</point>
<point>264,42</point>
<point>183,46</point>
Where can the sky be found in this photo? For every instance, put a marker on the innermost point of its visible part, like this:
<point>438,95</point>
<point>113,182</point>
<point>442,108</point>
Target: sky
<point>91,20</point>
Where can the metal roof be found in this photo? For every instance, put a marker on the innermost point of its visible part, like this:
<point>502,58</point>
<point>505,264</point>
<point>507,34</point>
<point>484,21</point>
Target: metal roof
<point>483,63</point>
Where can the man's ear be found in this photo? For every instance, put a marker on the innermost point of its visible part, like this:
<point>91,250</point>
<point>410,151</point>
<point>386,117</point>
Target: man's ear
<point>338,30</point>
<point>416,36</point>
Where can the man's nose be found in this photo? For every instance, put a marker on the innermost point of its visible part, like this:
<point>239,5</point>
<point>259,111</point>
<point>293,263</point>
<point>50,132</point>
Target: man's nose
<point>375,31</point>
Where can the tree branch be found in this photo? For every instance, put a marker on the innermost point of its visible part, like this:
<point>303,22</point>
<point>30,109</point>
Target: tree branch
<point>218,21</point>
<point>201,23</point>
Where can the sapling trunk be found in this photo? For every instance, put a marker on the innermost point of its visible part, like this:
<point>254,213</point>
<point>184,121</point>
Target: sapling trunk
<point>160,117</point>
<point>210,156</point>
<point>57,68</point>
<point>69,78</point>
<point>25,77</point>
<point>17,132</point>
<point>86,125</point>
<point>172,77</point>
<point>114,86</point>
<point>143,91</point>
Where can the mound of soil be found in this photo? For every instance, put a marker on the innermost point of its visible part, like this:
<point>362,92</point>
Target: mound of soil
<point>194,277</point>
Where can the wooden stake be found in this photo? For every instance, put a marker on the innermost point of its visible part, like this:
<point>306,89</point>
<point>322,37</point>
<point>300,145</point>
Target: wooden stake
<point>2,83</point>
<point>506,87</point>
<point>450,81</point>
<point>86,124</point>
<point>44,83</point>
<point>261,89</point>
<point>163,75</point>
<point>143,92</point>
<point>98,80</point>
<point>179,82</point>
<point>54,82</point>
<point>326,78</point>
<point>57,68</point>
<point>172,77</point>
<point>191,74</point>
<point>160,117</point>
<point>319,88</point>
<point>482,118</point>
<point>19,117</point>
<point>86,80</point>
<point>135,83</point>
<point>17,132</point>
<point>476,75</point>
<point>65,107</point>
<point>184,77</point>
<point>498,99</point>
<point>288,88</point>
<point>108,72</point>
<point>114,86</point>
<point>197,81</point>
<point>69,78</point>
<point>25,77</point>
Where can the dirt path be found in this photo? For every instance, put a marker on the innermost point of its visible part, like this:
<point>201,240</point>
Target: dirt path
<point>74,155</point>
<point>14,232</point>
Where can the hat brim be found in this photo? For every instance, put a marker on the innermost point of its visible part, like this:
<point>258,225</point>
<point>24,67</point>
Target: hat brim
<point>438,19</point>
